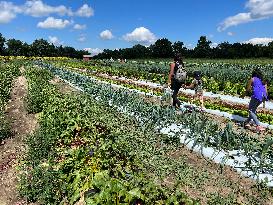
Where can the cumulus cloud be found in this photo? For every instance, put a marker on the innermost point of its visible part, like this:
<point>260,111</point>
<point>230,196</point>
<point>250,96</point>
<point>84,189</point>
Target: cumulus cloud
<point>263,41</point>
<point>257,10</point>
<point>79,26</point>
<point>55,41</point>
<point>85,11</point>
<point>37,8</point>
<point>140,35</point>
<point>51,22</point>
<point>93,51</point>
<point>82,38</point>
<point>8,11</point>
<point>260,8</point>
<point>106,35</point>
<point>6,17</point>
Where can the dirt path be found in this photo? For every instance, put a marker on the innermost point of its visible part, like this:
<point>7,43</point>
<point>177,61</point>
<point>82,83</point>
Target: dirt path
<point>12,150</point>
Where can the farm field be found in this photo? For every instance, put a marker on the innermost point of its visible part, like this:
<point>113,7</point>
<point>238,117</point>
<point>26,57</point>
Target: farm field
<point>106,145</point>
<point>156,74</point>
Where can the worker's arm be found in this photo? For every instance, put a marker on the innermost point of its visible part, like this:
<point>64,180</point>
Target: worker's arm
<point>265,86</point>
<point>191,86</point>
<point>248,87</point>
<point>172,65</point>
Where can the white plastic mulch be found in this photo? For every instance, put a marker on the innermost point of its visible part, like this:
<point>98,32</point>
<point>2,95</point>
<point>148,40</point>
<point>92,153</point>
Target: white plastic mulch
<point>238,159</point>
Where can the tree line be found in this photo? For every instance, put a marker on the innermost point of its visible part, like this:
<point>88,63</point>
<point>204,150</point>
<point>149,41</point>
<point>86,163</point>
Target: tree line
<point>39,47</point>
<point>163,48</point>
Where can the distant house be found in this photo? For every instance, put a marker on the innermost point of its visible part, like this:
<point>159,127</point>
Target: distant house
<point>87,57</point>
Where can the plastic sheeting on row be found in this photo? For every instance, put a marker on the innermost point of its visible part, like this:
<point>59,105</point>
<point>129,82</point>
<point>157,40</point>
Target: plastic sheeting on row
<point>235,158</point>
<point>237,161</point>
<point>226,115</point>
<point>233,99</point>
<point>214,112</point>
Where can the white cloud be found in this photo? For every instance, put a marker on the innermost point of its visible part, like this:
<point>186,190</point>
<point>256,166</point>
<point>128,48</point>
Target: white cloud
<point>235,20</point>
<point>213,45</point>
<point>140,35</point>
<point>55,41</point>
<point>6,17</point>
<point>85,11</point>
<point>106,35</point>
<point>51,22</point>
<point>93,51</point>
<point>263,41</point>
<point>37,8</point>
<point>258,9</point>
<point>230,33</point>
<point>79,27</point>
<point>82,38</point>
<point>8,11</point>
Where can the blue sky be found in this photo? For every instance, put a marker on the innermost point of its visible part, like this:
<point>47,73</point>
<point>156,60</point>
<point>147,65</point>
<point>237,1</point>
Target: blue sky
<point>101,24</point>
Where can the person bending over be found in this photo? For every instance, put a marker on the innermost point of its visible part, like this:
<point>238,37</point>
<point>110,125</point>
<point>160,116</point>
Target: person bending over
<point>259,94</point>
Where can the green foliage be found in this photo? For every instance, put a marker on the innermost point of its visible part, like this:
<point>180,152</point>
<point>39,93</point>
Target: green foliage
<point>4,127</point>
<point>80,151</point>
<point>105,156</point>
<point>8,71</point>
<point>217,199</point>
<point>228,78</point>
<point>38,89</point>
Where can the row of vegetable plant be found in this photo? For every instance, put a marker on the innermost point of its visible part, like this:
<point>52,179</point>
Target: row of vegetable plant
<point>265,116</point>
<point>85,150</point>
<point>218,77</point>
<point>8,72</point>
<point>202,130</point>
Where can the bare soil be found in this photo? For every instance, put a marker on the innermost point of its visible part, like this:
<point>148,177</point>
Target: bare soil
<point>221,180</point>
<point>12,149</point>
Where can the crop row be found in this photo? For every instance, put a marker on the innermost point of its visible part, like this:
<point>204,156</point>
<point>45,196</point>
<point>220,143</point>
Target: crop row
<point>219,78</point>
<point>87,151</point>
<point>237,109</point>
<point>202,130</point>
<point>84,150</point>
<point>8,71</point>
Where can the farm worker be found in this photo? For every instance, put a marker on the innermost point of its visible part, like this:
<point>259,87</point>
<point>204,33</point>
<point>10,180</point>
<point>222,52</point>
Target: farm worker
<point>197,85</point>
<point>177,77</point>
<point>259,94</point>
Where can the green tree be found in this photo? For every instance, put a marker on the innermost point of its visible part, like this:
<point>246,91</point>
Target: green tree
<point>203,50</point>
<point>2,44</point>
<point>178,47</point>
<point>141,51</point>
<point>162,48</point>
<point>223,50</point>
<point>41,47</point>
<point>270,49</point>
<point>15,47</point>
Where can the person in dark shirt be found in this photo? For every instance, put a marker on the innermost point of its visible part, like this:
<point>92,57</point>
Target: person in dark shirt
<point>173,83</point>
